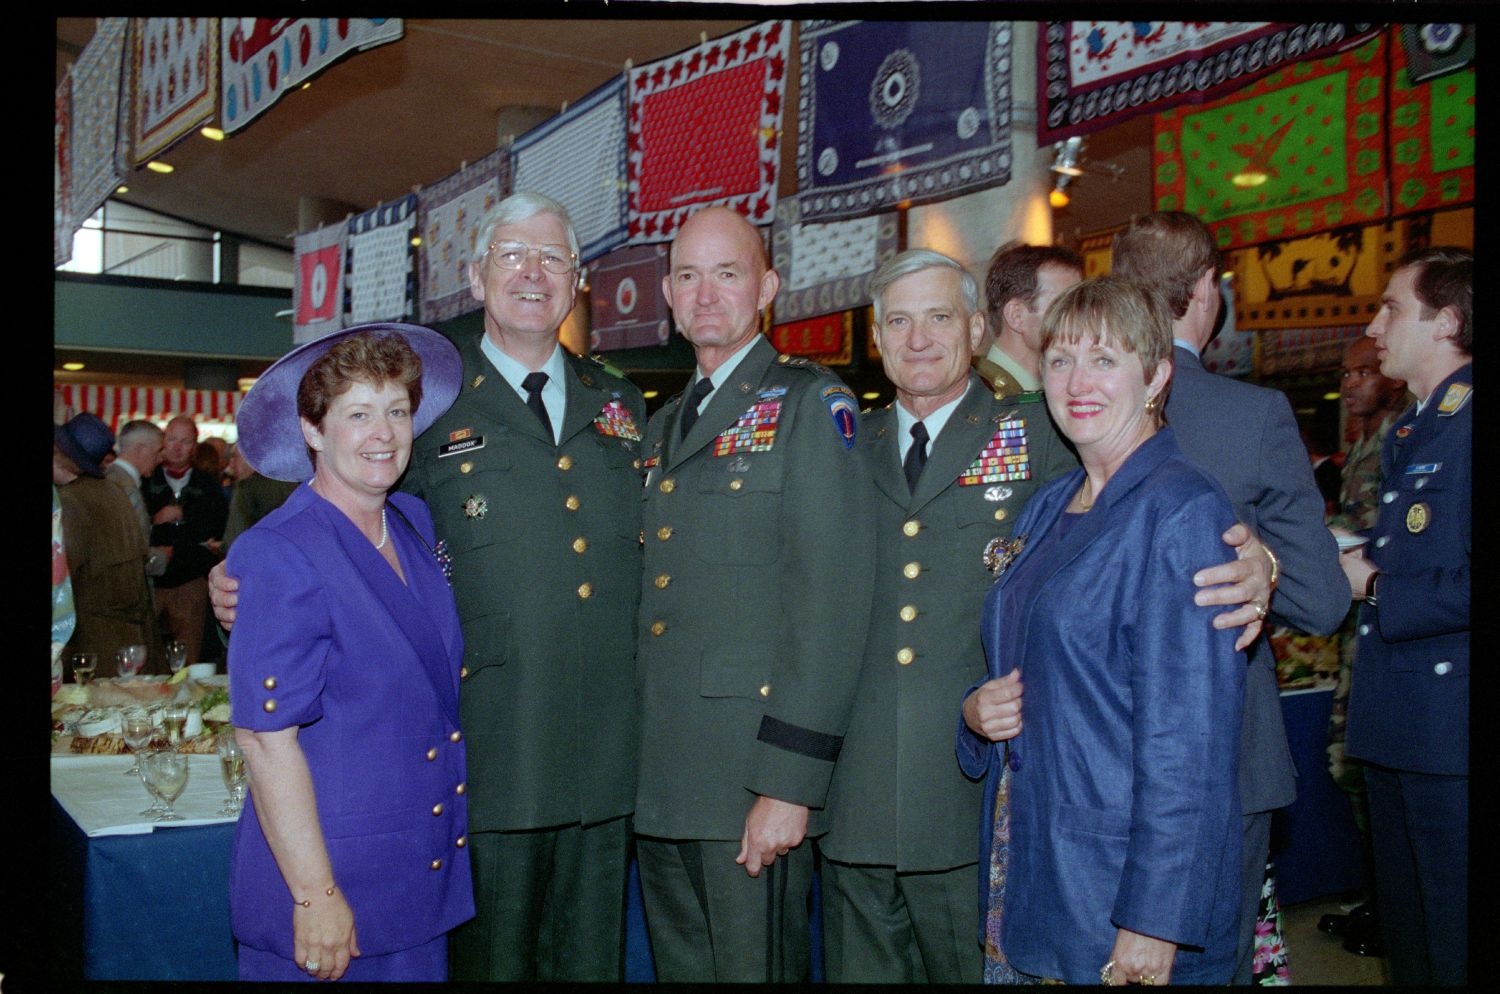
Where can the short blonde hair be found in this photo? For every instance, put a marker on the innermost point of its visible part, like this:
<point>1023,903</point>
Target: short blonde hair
<point>1117,312</point>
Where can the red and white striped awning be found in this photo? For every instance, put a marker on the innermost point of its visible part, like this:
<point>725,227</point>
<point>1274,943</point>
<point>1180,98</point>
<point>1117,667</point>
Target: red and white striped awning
<point>117,405</point>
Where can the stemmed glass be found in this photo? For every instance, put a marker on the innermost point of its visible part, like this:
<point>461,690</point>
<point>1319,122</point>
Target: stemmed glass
<point>137,729</point>
<point>167,771</point>
<point>157,806</point>
<point>176,655</point>
<point>129,659</point>
<point>232,765</point>
<point>174,717</point>
<point>84,664</point>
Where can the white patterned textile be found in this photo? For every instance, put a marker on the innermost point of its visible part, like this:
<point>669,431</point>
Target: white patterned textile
<point>175,69</point>
<point>578,159</point>
<point>379,271</point>
<point>97,143</point>
<point>447,213</point>
<point>62,172</point>
<point>826,267</point>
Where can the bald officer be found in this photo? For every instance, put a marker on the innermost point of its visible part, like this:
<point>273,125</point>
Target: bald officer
<point>754,609</point>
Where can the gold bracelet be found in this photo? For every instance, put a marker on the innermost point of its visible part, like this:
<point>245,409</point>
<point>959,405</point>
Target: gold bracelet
<point>308,903</point>
<point>1275,564</point>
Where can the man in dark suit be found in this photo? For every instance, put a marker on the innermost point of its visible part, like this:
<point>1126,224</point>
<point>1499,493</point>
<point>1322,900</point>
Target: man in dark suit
<point>188,511</point>
<point>1409,706</point>
<point>1246,437</point>
<point>756,599</point>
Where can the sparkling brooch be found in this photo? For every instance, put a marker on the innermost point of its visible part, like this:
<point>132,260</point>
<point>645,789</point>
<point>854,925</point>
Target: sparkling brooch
<point>999,553</point>
<point>476,507</point>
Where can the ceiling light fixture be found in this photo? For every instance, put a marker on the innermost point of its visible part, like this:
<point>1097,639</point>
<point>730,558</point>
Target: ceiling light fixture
<point>158,167</point>
<point>1067,156</point>
<point>73,367</point>
<point>122,188</point>
<point>212,134</point>
<point>1059,196</point>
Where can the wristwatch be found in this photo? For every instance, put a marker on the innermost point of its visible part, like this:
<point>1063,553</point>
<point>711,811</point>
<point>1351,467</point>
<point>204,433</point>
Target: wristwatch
<point>1370,588</point>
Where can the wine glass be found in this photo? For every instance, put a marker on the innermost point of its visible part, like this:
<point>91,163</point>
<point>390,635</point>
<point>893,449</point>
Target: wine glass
<point>174,715</point>
<point>129,659</point>
<point>84,664</point>
<point>176,655</point>
<point>157,806</point>
<point>137,729</point>
<point>168,772</point>
<point>232,765</point>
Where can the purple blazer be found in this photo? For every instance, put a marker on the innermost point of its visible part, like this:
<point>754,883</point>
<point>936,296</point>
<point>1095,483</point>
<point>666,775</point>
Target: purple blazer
<point>1124,809</point>
<point>329,639</point>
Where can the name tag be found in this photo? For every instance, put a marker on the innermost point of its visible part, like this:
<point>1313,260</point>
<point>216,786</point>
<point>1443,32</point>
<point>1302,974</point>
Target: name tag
<point>461,446</point>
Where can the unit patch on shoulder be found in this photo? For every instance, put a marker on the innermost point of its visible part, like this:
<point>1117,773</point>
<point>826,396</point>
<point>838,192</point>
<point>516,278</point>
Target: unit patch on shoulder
<point>616,421</point>
<point>845,410</point>
<point>1458,394</point>
<point>753,431</point>
<point>1004,458</point>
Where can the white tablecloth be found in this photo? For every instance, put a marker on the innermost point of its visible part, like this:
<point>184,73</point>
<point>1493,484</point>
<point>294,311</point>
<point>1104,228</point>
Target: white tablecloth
<point>103,801</point>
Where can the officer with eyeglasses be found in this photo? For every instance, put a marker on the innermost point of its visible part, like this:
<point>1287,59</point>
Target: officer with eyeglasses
<point>534,482</point>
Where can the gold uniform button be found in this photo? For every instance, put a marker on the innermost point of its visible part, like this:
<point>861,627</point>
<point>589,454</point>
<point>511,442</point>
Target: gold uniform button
<point>662,581</point>
<point>664,532</point>
<point>765,690</point>
<point>658,628</point>
<point>455,736</point>
<point>460,788</point>
<point>269,706</point>
<point>436,864</point>
<point>463,672</point>
<point>467,467</point>
<point>437,809</point>
<point>736,484</point>
<point>668,485</point>
<point>462,841</point>
<point>912,570</point>
<point>565,463</point>
<point>571,503</point>
<point>909,613</point>
<point>585,590</point>
<point>1000,514</point>
<point>911,528</point>
<point>432,754</point>
<point>635,464</point>
<point>905,656</point>
<point>580,544</point>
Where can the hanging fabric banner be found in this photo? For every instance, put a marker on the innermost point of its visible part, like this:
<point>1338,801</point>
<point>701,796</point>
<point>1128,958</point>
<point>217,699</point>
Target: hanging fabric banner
<point>1434,50</point>
<point>175,72</point>
<point>1298,152</point>
<point>1094,74</point>
<point>98,141</point>
<point>826,267</point>
<point>1431,133</point>
<point>627,307</point>
<point>900,112</point>
<point>265,57</point>
<point>828,338</point>
<point>448,212</point>
<point>318,282</point>
<point>379,266</point>
<point>705,128</point>
<point>62,172</point>
<point>578,159</point>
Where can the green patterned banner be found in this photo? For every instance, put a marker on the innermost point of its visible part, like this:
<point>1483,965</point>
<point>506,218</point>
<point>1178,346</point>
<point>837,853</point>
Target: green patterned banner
<point>1298,152</point>
<point>1432,139</point>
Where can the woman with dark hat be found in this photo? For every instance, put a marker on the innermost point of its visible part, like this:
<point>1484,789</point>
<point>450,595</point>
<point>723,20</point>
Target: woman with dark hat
<point>350,859</point>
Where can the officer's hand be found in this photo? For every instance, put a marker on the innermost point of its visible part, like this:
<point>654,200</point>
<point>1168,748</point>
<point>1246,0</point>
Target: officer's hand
<point>221,591</point>
<point>993,711</point>
<point>1244,583</point>
<point>1357,569</point>
<point>772,828</point>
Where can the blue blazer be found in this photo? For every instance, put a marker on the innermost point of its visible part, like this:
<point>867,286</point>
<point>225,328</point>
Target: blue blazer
<point>1409,706</point>
<point>327,638</point>
<point>1124,806</point>
<point>1246,438</point>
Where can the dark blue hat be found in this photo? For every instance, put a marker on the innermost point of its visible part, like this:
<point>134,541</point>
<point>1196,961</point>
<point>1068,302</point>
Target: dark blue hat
<point>86,440</point>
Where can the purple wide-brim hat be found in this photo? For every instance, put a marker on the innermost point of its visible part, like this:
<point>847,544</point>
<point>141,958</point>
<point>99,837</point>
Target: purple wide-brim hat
<point>270,430</point>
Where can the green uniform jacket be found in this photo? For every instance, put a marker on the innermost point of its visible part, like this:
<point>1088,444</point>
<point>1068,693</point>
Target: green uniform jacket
<point>898,797</point>
<point>756,598</point>
<point>545,545</point>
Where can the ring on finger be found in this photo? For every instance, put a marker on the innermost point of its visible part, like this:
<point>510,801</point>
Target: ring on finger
<point>1107,974</point>
<point>312,966</point>
<point>1148,979</point>
<point>1260,609</point>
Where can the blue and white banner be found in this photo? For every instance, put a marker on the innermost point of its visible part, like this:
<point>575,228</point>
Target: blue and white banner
<point>379,268</point>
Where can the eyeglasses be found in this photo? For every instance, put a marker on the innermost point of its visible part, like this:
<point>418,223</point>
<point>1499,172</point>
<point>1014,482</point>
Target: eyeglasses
<point>513,255</point>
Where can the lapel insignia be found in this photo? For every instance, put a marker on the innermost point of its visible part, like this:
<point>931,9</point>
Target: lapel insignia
<point>997,493</point>
<point>1004,457</point>
<point>476,507</point>
<point>880,432</point>
<point>771,393</point>
<point>1457,394</point>
<point>616,421</point>
<point>753,431</point>
<point>1418,517</point>
<point>745,388</point>
<point>474,385</point>
<point>585,379</point>
<point>999,553</point>
<point>845,411</point>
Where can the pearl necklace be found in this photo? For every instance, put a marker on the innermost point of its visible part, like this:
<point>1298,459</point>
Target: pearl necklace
<point>383,533</point>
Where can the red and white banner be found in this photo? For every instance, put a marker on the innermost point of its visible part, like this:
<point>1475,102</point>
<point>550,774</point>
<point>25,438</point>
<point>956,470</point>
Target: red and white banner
<point>117,405</point>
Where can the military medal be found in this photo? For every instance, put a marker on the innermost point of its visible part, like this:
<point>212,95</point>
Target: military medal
<point>997,493</point>
<point>476,507</point>
<point>1005,457</point>
<point>999,553</point>
<point>739,464</point>
<point>616,421</point>
<point>753,431</point>
<point>1418,517</point>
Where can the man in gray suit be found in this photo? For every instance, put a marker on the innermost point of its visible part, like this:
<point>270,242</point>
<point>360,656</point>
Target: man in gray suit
<point>1245,437</point>
<point>139,446</point>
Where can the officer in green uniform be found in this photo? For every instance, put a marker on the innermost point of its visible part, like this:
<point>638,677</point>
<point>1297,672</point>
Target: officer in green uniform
<point>952,463</point>
<point>1021,283</point>
<point>756,594</point>
<point>534,486</point>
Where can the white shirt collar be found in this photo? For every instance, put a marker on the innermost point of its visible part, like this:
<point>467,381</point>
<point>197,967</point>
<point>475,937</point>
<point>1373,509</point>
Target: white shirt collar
<point>934,422</point>
<point>1181,344</point>
<point>721,375</point>
<point>554,393</point>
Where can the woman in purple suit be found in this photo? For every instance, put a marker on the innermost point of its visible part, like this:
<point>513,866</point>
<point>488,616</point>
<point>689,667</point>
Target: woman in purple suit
<point>350,859</point>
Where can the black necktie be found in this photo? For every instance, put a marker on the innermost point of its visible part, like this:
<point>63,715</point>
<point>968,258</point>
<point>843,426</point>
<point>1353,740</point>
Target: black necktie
<point>533,384</point>
<point>701,389</point>
<point>916,456</point>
